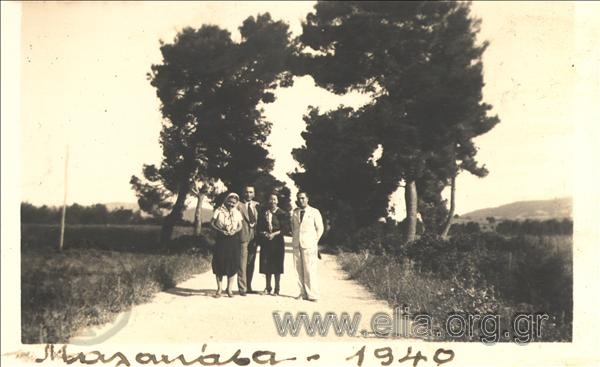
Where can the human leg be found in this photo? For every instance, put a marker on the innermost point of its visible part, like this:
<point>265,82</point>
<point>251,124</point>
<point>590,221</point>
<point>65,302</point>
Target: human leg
<point>218,279</point>
<point>241,279</point>
<point>277,281</point>
<point>299,266</point>
<point>250,265</point>
<point>311,284</point>
<point>230,285</point>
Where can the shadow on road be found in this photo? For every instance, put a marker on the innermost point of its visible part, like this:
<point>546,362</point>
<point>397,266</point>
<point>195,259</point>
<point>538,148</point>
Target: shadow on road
<point>187,292</point>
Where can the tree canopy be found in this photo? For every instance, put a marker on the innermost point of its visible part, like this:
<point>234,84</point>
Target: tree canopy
<point>337,169</point>
<point>211,89</point>
<point>422,65</point>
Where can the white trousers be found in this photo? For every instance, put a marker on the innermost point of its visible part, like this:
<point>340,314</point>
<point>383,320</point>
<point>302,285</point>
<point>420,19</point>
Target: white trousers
<point>306,269</point>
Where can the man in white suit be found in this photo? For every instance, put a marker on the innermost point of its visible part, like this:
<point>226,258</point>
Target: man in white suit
<point>307,228</point>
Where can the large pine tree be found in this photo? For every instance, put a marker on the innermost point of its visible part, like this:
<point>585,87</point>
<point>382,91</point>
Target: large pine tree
<point>422,64</point>
<point>210,89</point>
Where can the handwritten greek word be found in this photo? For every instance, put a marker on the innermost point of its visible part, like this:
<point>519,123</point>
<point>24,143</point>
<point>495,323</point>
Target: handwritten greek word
<point>213,359</point>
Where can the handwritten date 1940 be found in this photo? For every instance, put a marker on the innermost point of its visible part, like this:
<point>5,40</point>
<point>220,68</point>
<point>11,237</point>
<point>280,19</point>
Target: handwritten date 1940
<point>386,356</point>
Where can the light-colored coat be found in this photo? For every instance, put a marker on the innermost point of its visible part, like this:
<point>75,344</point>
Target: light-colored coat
<point>306,234</point>
<point>248,232</point>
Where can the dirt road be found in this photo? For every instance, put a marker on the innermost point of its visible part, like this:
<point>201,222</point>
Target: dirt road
<point>189,313</point>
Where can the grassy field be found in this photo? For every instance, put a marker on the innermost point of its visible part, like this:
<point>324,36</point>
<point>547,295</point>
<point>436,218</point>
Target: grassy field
<point>132,238</point>
<point>103,270</point>
<point>475,275</point>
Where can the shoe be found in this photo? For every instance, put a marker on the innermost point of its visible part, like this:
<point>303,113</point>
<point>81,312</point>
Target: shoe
<point>229,293</point>
<point>299,297</point>
<point>266,291</point>
<point>276,293</point>
<point>243,294</point>
<point>218,294</point>
<point>311,299</point>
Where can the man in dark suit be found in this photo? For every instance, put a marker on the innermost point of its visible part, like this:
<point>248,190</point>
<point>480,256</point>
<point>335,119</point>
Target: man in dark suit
<point>249,210</point>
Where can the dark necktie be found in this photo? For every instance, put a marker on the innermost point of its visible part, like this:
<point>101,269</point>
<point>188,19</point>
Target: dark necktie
<point>301,215</point>
<point>251,215</point>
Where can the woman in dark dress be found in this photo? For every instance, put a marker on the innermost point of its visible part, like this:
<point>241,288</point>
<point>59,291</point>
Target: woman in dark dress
<point>227,220</point>
<point>271,227</point>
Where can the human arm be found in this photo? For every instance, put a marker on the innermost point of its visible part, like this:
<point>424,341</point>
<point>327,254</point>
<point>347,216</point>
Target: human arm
<point>237,215</point>
<point>238,228</point>
<point>223,222</point>
<point>319,227</point>
<point>215,224</point>
<point>289,223</point>
<point>273,221</point>
<point>272,235</point>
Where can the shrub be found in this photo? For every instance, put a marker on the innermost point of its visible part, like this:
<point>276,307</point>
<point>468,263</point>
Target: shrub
<point>187,244</point>
<point>379,238</point>
<point>475,273</point>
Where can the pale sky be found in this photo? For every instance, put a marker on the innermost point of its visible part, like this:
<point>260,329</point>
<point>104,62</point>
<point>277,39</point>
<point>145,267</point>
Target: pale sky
<point>83,74</point>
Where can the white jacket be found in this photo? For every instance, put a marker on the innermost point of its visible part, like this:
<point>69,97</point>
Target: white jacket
<point>306,235</point>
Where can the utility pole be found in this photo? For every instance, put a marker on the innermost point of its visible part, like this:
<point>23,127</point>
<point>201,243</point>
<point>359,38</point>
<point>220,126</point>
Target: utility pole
<point>64,208</point>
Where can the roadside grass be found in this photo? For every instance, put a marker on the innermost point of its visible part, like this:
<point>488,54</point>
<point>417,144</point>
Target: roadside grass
<point>103,270</point>
<point>540,282</point>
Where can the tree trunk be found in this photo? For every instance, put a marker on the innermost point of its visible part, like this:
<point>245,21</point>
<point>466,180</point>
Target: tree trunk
<point>410,198</point>
<point>448,223</point>
<point>198,215</point>
<point>175,215</point>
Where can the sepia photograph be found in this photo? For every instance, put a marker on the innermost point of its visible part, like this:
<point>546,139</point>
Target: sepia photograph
<point>338,183</point>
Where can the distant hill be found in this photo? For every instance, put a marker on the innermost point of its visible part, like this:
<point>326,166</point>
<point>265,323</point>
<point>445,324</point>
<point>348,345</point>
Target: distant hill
<point>520,210</point>
<point>188,214</point>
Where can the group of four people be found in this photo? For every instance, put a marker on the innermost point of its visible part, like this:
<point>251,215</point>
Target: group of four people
<point>242,226</point>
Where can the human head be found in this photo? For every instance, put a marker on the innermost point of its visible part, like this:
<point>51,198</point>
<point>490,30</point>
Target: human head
<point>302,199</point>
<point>248,193</point>
<point>273,201</point>
<point>231,200</point>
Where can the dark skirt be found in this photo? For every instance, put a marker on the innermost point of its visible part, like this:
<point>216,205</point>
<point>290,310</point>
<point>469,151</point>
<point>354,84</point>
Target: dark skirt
<point>226,255</point>
<point>272,254</point>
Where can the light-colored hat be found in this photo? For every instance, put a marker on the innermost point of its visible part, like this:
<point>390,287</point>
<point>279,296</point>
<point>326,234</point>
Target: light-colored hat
<point>232,195</point>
